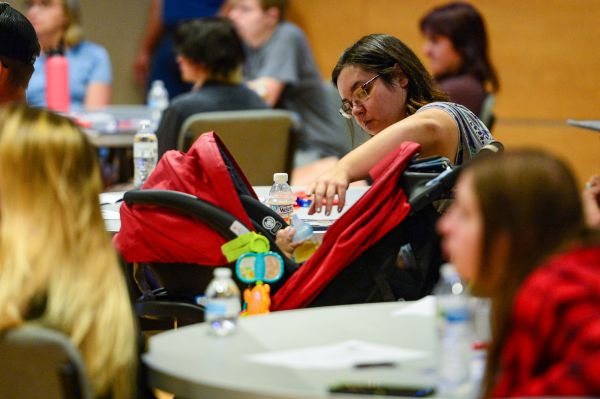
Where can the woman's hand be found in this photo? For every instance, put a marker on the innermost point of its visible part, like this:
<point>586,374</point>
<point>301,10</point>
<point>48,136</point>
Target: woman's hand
<point>591,202</point>
<point>283,239</point>
<point>328,185</point>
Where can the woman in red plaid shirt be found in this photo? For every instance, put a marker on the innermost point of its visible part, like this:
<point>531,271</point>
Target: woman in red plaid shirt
<point>516,231</point>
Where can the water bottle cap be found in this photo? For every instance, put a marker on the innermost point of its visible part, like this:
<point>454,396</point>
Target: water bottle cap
<point>280,177</point>
<point>222,272</point>
<point>158,83</point>
<point>447,270</point>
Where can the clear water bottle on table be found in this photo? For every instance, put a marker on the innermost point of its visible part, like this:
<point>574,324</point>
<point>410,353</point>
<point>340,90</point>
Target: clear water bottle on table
<point>455,334</point>
<point>158,101</point>
<point>145,153</point>
<point>223,303</point>
<point>281,197</point>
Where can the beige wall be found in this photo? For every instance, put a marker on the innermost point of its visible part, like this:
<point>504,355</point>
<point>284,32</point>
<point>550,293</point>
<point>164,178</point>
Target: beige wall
<point>546,53</point>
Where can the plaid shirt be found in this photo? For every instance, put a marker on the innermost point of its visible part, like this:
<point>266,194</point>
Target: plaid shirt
<point>553,348</point>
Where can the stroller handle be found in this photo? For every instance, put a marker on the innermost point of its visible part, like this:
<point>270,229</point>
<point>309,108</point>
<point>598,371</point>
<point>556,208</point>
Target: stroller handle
<point>213,216</point>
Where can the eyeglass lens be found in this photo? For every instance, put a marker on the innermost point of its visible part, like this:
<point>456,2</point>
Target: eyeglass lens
<point>359,95</point>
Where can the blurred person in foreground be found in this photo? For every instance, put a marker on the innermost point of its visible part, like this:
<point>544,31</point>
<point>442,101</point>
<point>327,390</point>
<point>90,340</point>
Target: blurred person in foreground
<point>57,265</point>
<point>19,49</point>
<point>516,232</point>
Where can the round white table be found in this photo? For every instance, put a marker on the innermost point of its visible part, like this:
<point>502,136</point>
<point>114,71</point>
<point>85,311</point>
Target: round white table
<point>192,363</point>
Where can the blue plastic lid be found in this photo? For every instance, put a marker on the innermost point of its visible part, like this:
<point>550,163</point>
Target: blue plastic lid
<point>303,230</point>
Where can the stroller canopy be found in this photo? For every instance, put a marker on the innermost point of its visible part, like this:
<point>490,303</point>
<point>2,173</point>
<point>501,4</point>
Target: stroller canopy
<point>153,234</point>
<point>377,212</point>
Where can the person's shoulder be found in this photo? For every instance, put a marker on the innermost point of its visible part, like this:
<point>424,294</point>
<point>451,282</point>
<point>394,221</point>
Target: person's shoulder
<point>575,270</point>
<point>90,50</point>
<point>462,79</point>
<point>185,99</point>
<point>86,46</point>
<point>290,31</point>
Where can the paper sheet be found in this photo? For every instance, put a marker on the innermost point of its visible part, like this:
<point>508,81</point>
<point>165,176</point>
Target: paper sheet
<point>110,197</point>
<point>423,307</point>
<point>346,354</point>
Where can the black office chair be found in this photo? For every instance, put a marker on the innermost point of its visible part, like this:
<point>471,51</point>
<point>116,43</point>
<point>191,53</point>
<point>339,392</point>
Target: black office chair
<point>38,362</point>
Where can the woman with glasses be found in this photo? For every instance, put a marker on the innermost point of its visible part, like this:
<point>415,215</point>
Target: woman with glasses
<point>58,27</point>
<point>388,92</point>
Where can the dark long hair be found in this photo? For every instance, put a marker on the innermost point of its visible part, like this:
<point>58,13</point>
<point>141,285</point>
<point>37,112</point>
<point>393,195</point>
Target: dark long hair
<point>531,199</point>
<point>464,26</point>
<point>379,53</point>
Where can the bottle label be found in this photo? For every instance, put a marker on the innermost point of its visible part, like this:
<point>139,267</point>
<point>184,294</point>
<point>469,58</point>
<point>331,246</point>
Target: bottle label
<point>222,308</point>
<point>145,150</point>
<point>284,210</point>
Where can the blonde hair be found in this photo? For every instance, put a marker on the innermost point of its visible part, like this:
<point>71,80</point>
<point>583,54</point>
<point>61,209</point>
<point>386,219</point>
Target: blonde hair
<point>57,265</point>
<point>74,31</point>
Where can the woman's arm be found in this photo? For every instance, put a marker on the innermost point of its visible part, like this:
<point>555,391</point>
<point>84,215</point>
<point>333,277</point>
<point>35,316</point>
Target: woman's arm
<point>434,129</point>
<point>153,33</point>
<point>98,95</point>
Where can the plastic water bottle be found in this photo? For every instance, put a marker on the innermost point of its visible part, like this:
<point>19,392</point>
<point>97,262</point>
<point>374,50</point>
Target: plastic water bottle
<point>145,153</point>
<point>58,96</point>
<point>223,303</point>
<point>158,101</point>
<point>281,197</point>
<point>454,334</point>
<point>304,233</point>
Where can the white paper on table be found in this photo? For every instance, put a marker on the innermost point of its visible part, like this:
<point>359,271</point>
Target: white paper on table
<point>423,307</point>
<point>111,211</point>
<point>111,197</point>
<point>344,354</point>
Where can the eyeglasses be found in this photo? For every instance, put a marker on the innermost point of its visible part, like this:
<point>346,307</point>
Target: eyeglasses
<point>359,95</point>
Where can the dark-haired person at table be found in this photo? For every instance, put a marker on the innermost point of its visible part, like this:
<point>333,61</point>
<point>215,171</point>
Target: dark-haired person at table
<point>210,56</point>
<point>516,231</point>
<point>155,59</point>
<point>457,47</point>
<point>58,26</point>
<point>19,48</point>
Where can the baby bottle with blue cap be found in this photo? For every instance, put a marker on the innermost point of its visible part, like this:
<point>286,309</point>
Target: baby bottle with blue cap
<point>304,234</point>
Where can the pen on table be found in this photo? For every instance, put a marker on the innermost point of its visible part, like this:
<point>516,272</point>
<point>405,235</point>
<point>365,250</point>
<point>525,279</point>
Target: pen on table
<point>374,364</point>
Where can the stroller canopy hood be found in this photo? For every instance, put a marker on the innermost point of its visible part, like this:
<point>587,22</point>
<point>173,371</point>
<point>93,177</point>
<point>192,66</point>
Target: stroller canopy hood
<point>153,234</point>
<point>378,211</point>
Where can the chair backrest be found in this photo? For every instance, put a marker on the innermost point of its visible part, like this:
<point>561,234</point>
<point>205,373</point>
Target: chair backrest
<point>38,362</point>
<point>487,111</point>
<point>261,141</point>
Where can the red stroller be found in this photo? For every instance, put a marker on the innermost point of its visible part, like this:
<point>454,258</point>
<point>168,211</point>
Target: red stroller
<point>384,248</point>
